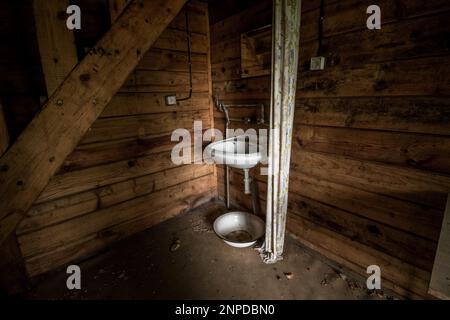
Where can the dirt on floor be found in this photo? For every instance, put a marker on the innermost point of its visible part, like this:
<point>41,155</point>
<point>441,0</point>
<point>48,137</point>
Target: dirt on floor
<point>182,258</point>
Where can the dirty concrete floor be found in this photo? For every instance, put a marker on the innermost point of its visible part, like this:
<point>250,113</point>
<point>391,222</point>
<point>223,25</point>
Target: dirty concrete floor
<point>182,258</point>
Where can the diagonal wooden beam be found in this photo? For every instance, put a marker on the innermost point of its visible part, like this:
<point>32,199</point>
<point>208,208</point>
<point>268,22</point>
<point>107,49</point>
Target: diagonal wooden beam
<point>116,8</point>
<point>27,166</point>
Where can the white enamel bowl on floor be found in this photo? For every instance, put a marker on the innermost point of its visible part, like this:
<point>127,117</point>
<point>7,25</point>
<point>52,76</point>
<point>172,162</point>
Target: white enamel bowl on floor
<point>239,229</point>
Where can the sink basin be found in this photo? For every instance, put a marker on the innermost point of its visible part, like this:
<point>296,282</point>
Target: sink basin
<point>236,152</point>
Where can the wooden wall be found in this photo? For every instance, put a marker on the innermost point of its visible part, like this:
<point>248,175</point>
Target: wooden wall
<point>370,162</point>
<point>228,86</point>
<point>21,81</point>
<point>120,179</point>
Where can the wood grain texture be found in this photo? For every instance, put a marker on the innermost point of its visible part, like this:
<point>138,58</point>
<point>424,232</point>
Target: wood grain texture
<point>101,240</point>
<point>63,233</point>
<point>116,7</point>
<point>371,132</point>
<point>56,211</point>
<point>37,154</point>
<point>126,156</point>
<point>428,152</point>
<point>406,114</point>
<point>143,125</point>
<point>124,104</point>
<point>56,43</point>
<point>111,220</point>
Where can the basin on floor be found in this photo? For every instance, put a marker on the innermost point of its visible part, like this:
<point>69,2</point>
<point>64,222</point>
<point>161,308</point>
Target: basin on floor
<point>236,152</point>
<point>239,229</point>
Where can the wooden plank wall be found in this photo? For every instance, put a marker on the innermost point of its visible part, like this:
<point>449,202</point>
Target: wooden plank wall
<point>226,75</point>
<point>120,179</point>
<point>370,162</point>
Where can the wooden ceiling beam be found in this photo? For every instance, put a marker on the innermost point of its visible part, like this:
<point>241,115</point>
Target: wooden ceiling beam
<point>28,165</point>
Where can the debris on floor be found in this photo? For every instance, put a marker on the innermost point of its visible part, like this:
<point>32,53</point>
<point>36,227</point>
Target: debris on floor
<point>289,275</point>
<point>200,225</point>
<point>175,245</point>
<point>353,285</point>
<point>343,276</point>
<point>145,266</point>
<point>328,278</point>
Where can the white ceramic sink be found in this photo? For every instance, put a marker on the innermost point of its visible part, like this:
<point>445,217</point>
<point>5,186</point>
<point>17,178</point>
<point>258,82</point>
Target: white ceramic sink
<point>235,152</point>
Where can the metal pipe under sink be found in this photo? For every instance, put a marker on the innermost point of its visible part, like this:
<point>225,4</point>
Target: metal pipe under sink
<point>224,108</point>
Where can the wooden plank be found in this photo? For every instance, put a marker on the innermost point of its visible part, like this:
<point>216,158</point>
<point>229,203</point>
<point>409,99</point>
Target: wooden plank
<point>428,77</point>
<point>405,39</point>
<point>123,104</point>
<point>407,280</point>
<point>408,114</point>
<point>413,218</point>
<point>227,70</point>
<point>403,215</point>
<point>402,245</point>
<point>169,60</point>
<point>95,177</point>
<point>244,89</point>
<point>401,183</point>
<point>76,104</point>
<point>4,134</point>
<point>164,81</point>
<point>56,211</point>
<point>428,152</point>
<point>58,235</point>
<point>144,125</point>
<point>345,16</point>
<point>197,19</point>
<point>98,153</point>
<point>440,276</point>
<point>242,112</point>
<point>56,43</point>
<point>254,17</point>
<point>226,50</point>
<point>91,244</point>
<point>172,39</point>
<point>256,52</point>
<point>95,154</point>
<point>116,7</point>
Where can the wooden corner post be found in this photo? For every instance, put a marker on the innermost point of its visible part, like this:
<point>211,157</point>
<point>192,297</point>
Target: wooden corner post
<point>28,165</point>
<point>285,48</point>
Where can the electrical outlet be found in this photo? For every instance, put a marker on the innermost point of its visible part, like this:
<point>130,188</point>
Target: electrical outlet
<point>171,100</point>
<point>317,63</point>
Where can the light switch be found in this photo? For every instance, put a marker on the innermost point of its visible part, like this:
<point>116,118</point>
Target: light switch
<point>171,100</point>
<point>317,63</point>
